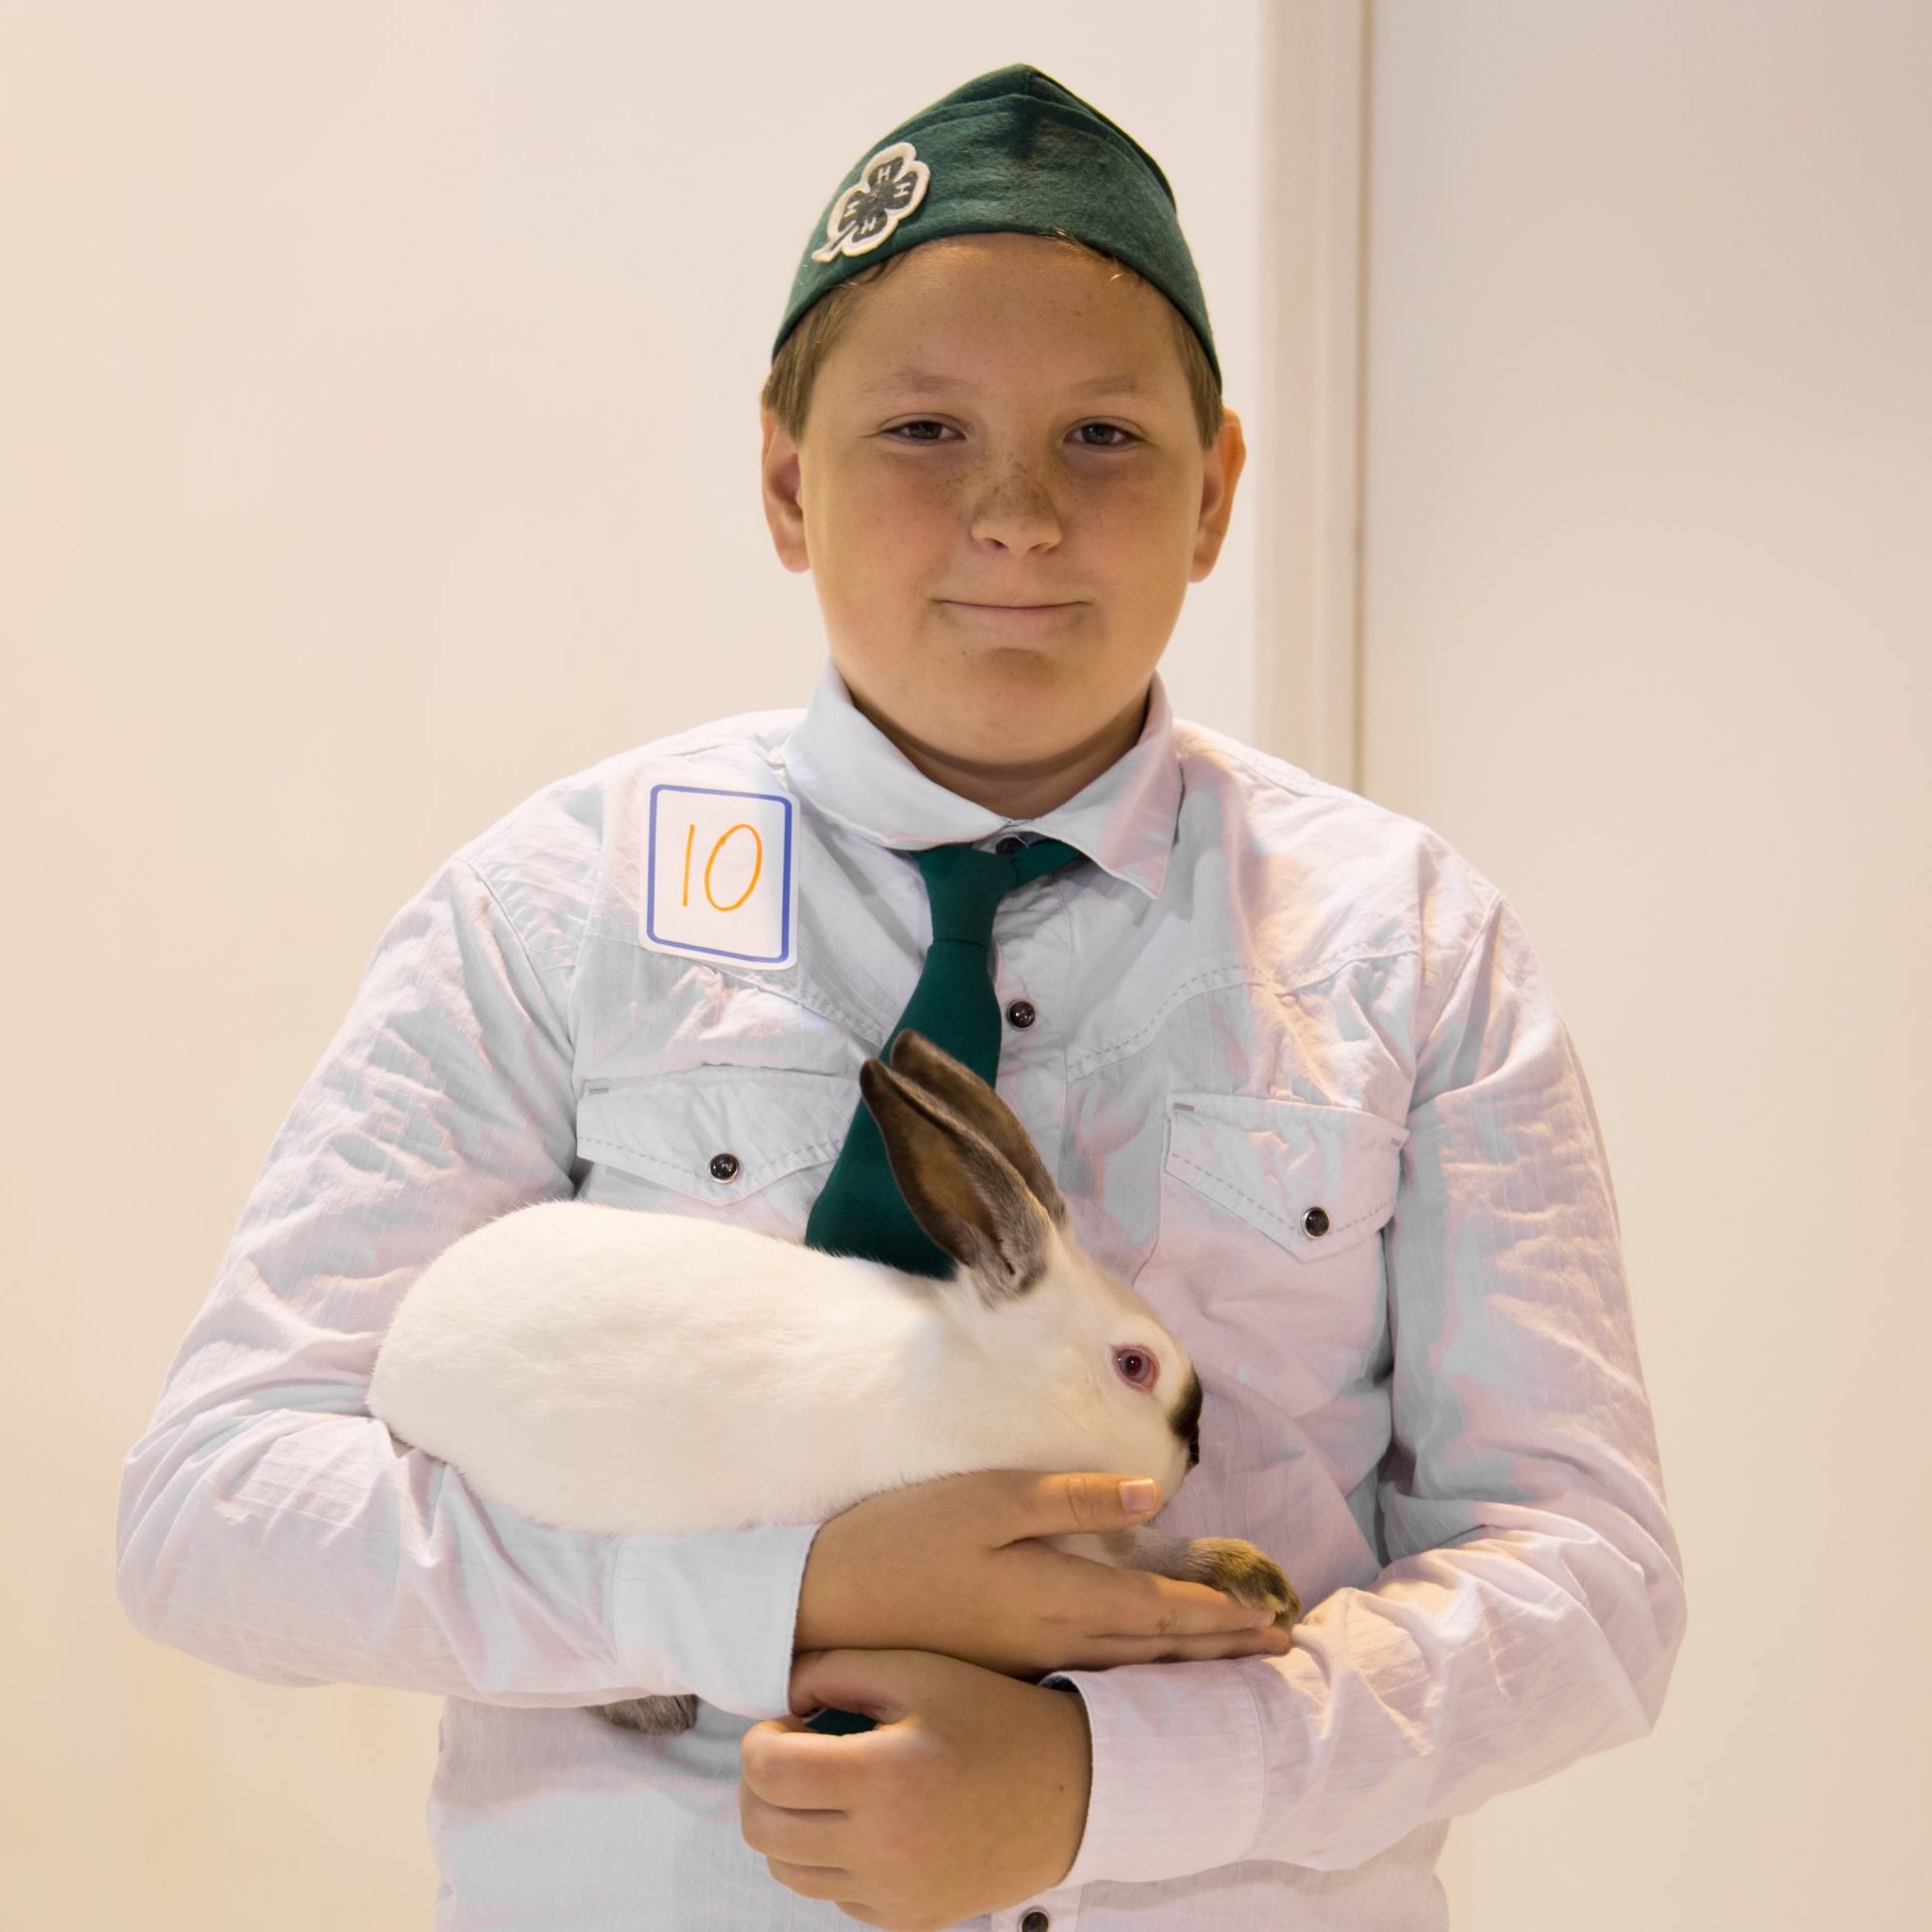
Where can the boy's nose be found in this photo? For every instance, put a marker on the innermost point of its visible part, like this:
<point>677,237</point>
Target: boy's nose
<point>1019,514</point>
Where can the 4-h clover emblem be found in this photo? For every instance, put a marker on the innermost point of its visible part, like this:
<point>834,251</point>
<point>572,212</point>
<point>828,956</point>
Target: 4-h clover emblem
<point>890,186</point>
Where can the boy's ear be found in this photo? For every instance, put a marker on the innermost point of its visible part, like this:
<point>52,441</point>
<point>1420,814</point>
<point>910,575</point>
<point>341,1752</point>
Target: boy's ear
<point>778,468</point>
<point>1221,469</point>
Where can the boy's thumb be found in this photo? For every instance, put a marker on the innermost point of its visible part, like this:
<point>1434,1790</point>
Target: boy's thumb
<point>1088,1500</point>
<point>858,1681</point>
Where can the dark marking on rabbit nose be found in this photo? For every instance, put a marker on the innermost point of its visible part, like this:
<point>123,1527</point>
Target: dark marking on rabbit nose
<point>1187,1419</point>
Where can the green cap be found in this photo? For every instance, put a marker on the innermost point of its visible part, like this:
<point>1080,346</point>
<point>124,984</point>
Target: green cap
<point>1012,150</point>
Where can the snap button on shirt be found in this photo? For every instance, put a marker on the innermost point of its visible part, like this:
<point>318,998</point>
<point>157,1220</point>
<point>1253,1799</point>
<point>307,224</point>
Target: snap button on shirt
<point>1314,1221</point>
<point>725,1167</point>
<point>1021,1013</point>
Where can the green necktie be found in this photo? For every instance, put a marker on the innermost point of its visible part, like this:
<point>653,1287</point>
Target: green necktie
<point>860,1209</point>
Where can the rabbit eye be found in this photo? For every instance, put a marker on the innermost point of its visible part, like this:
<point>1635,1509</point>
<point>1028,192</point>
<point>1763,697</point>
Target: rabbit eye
<point>1138,1365</point>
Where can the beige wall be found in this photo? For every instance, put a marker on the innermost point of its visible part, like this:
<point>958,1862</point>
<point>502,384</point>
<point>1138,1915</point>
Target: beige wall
<point>379,423</point>
<point>1646,606</point>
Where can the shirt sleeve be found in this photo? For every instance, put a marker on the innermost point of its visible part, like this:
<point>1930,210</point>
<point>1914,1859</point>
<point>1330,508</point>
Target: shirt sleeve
<point>269,1524</point>
<point>1532,1601</point>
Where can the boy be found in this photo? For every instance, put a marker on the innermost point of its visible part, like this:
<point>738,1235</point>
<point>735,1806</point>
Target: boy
<point>1292,1061</point>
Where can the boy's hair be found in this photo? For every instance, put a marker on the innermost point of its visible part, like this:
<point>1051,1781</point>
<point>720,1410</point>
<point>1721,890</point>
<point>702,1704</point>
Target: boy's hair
<point>788,388</point>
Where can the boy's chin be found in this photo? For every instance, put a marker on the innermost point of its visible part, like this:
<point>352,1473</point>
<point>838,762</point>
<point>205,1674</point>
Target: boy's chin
<point>995,697</point>
<point>1008,732</point>
<point>996,704</point>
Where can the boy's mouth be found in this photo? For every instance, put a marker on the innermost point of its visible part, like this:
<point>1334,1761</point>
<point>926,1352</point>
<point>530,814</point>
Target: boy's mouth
<point>1008,610</point>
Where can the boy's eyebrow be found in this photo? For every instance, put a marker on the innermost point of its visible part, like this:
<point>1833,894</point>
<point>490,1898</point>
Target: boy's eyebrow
<point>922,379</point>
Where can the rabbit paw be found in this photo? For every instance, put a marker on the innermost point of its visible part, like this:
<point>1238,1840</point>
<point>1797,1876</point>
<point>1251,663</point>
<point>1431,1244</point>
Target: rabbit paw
<point>657,1717</point>
<point>1247,1573</point>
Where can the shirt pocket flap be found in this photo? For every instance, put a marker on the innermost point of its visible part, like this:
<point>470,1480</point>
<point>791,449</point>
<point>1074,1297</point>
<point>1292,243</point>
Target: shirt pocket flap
<point>669,1128</point>
<point>1315,1179</point>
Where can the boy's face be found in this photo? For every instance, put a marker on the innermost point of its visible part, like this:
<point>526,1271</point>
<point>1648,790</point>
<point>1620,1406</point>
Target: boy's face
<point>916,502</point>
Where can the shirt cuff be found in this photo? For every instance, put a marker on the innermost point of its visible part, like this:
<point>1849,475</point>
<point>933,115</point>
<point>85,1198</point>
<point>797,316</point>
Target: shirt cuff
<point>1177,1768</point>
<point>712,1615</point>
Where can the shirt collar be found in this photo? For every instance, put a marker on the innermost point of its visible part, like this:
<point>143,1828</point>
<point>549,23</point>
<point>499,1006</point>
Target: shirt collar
<point>1124,819</point>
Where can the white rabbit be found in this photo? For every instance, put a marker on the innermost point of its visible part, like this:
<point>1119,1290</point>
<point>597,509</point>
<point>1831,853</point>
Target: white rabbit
<point>610,1370</point>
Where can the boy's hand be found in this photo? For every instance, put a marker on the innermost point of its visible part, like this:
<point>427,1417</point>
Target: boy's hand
<point>970,1796</point>
<point>948,1566</point>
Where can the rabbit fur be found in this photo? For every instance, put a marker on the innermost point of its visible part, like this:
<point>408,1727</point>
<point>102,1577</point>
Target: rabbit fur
<point>625,1371</point>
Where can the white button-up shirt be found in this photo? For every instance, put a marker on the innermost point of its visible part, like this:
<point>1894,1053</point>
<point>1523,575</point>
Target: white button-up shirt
<point>1267,995</point>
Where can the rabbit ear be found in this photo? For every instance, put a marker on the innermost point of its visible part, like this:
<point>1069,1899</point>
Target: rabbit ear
<point>962,1089</point>
<point>960,1189</point>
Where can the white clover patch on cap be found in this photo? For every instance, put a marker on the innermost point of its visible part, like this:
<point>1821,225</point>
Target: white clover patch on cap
<point>889,187</point>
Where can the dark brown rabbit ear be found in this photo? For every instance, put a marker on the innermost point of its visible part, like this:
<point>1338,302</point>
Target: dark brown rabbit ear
<point>956,1087</point>
<point>960,1189</point>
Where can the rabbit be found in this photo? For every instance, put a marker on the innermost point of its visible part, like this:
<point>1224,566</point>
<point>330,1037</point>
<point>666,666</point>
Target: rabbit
<point>621,1371</point>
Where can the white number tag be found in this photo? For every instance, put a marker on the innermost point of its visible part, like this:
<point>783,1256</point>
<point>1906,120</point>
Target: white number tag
<point>719,880</point>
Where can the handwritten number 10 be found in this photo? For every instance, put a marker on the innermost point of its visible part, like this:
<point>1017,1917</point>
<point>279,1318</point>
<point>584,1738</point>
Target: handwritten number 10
<point>757,864</point>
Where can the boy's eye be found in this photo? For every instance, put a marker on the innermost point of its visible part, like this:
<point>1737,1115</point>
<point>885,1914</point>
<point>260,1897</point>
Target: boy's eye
<point>1109,429</point>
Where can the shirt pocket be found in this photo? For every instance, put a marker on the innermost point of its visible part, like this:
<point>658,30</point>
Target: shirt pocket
<point>747,1145</point>
<point>1269,1217</point>
<point>1316,1180</point>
